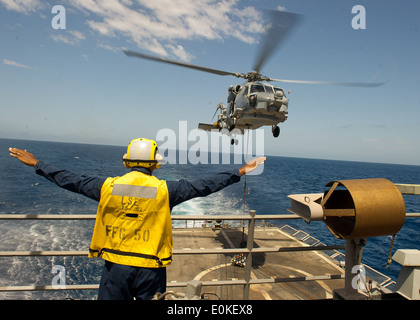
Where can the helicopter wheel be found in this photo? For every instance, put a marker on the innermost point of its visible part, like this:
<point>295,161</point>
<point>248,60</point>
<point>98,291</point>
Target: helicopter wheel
<point>276,131</point>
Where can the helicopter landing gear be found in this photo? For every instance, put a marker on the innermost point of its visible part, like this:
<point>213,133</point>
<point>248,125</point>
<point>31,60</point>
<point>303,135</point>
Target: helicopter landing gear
<point>276,131</point>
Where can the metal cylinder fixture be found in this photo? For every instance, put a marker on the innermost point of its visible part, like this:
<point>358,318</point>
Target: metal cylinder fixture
<point>363,208</point>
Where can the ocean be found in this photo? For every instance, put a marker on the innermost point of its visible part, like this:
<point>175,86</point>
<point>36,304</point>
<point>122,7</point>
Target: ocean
<point>24,192</point>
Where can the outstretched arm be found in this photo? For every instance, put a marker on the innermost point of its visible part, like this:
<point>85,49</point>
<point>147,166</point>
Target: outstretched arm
<point>85,185</point>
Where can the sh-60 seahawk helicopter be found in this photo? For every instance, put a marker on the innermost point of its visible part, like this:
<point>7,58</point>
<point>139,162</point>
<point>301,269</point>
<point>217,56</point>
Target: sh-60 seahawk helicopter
<point>255,103</point>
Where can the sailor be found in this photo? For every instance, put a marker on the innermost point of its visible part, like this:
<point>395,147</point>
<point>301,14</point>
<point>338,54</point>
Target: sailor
<point>133,228</point>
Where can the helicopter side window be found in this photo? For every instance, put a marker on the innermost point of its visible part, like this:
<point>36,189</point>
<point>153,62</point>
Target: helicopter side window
<point>269,89</point>
<point>257,88</point>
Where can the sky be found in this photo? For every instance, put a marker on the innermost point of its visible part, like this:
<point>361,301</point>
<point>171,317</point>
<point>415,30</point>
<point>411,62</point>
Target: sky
<point>75,84</point>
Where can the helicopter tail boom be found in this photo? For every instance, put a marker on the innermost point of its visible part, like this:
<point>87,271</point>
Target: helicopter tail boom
<point>206,127</point>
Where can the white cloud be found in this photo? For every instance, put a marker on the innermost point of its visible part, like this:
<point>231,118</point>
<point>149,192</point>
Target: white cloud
<point>402,142</point>
<point>157,25</point>
<point>281,8</point>
<point>77,35</point>
<point>110,48</point>
<point>70,37</point>
<point>370,140</point>
<point>24,6</point>
<point>180,52</point>
<point>15,64</point>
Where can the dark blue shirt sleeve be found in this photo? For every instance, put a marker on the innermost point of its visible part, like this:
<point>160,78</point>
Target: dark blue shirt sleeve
<point>183,190</point>
<point>85,185</point>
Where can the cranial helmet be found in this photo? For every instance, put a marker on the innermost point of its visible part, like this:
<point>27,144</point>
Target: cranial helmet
<point>142,153</point>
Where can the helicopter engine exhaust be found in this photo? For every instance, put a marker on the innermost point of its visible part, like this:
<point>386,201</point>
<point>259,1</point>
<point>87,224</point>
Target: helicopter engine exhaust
<point>237,88</point>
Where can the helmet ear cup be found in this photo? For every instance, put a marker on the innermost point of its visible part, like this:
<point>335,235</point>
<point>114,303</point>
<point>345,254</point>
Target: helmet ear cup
<point>124,162</point>
<point>159,159</point>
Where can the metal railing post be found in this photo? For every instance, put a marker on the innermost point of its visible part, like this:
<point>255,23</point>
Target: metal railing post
<point>250,244</point>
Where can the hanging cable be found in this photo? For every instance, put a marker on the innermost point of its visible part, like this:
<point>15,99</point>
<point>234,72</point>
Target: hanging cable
<point>243,244</point>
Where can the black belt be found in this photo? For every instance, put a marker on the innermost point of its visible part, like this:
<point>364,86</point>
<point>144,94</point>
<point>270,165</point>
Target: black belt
<point>132,254</point>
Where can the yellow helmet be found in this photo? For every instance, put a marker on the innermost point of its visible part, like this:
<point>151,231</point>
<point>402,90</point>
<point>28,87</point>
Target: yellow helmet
<point>142,153</point>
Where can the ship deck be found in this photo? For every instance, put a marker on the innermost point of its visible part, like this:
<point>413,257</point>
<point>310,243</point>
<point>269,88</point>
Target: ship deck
<point>288,270</point>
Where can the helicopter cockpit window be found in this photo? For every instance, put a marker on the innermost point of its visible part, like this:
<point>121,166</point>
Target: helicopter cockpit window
<point>269,89</point>
<point>278,90</point>
<point>257,88</point>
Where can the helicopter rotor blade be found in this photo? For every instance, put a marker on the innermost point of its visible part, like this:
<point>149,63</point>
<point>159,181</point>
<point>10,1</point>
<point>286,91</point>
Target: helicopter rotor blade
<point>130,53</point>
<point>332,83</point>
<point>281,23</point>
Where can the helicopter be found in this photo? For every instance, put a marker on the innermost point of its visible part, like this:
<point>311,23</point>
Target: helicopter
<point>255,103</point>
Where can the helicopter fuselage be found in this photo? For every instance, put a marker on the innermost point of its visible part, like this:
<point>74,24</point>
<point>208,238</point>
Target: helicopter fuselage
<point>251,106</point>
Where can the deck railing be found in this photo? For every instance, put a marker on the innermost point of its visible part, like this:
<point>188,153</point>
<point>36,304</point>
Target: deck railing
<point>312,245</point>
<point>246,282</point>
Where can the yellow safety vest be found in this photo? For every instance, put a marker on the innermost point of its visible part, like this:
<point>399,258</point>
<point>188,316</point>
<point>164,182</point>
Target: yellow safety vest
<point>133,224</point>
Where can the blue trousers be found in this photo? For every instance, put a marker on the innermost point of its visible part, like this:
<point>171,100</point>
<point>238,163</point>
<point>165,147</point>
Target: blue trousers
<point>121,282</point>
